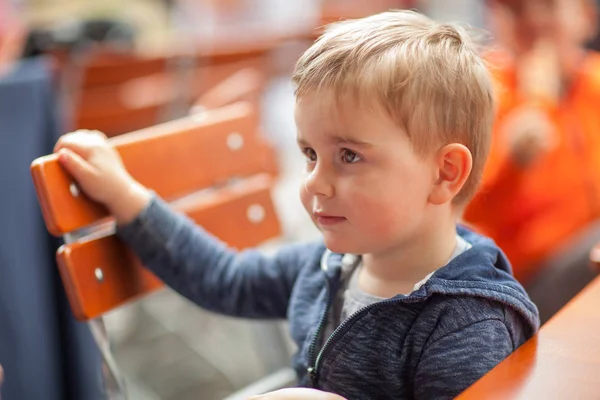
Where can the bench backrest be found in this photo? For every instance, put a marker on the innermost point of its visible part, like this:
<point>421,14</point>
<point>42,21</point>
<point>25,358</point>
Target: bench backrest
<point>214,166</point>
<point>118,93</point>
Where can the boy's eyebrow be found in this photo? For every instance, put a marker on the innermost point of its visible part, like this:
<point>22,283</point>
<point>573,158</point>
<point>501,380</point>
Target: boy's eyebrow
<point>337,139</point>
<point>301,141</point>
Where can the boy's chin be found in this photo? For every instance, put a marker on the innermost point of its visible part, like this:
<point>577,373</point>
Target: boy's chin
<point>341,246</point>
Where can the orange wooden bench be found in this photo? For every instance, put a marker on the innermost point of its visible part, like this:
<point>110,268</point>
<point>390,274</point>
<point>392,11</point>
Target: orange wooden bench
<point>214,166</point>
<point>245,84</point>
<point>118,93</point>
<point>561,362</point>
<point>145,101</point>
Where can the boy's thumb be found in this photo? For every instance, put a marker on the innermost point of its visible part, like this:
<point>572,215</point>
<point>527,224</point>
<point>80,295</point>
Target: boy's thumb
<point>76,166</point>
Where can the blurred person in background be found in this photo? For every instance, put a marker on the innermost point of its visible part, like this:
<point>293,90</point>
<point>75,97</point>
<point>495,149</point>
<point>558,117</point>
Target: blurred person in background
<point>205,21</point>
<point>252,20</point>
<point>540,198</point>
<point>470,12</point>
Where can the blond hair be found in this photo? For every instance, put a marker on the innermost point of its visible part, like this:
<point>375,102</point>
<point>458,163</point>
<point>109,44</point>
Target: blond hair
<point>428,76</point>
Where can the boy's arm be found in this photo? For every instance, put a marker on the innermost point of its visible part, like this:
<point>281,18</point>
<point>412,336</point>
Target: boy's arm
<point>202,268</point>
<point>194,263</point>
<point>456,360</point>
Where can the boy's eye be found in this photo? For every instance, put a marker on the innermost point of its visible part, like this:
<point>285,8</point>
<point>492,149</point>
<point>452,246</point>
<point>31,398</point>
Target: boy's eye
<point>350,157</point>
<point>310,154</point>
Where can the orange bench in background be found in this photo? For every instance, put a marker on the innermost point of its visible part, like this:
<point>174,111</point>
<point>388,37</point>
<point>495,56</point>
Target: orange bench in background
<point>118,93</point>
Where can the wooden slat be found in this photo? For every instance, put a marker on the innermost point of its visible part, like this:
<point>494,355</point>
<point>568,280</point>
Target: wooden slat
<point>243,85</point>
<point>223,212</point>
<point>140,102</point>
<point>226,51</point>
<point>206,77</point>
<point>104,102</point>
<point>124,92</point>
<point>174,159</point>
<point>109,69</point>
<point>561,362</point>
<point>114,122</point>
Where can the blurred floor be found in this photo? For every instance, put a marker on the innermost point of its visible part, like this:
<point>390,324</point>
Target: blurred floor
<point>169,349</point>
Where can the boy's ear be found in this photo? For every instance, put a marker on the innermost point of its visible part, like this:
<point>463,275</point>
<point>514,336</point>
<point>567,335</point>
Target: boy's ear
<point>453,166</point>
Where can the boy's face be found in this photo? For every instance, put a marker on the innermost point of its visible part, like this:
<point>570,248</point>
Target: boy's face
<point>364,187</point>
<point>521,23</point>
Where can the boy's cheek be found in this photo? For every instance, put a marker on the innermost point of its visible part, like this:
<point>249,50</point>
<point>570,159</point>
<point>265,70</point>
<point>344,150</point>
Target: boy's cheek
<point>375,215</point>
<point>305,198</point>
<point>383,212</point>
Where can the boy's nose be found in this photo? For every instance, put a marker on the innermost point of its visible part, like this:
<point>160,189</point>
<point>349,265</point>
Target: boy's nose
<point>319,183</point>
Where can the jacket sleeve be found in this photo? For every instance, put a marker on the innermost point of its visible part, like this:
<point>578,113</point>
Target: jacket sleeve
<point>200,267</point>
<point>453,362</point>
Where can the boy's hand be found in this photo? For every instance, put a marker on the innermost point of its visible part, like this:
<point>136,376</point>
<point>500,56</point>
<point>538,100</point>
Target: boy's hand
<point>99,171</point>
<point>529,134</point>
<point>539,73</point>
<point>528,130</point>
<point>297,394</point>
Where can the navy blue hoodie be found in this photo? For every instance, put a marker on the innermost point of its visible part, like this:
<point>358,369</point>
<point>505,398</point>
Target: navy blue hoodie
<point>430,344</point>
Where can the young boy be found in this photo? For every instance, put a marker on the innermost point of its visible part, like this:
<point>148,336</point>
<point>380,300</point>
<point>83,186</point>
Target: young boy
<point>543,175</point>
<point>394,114</point>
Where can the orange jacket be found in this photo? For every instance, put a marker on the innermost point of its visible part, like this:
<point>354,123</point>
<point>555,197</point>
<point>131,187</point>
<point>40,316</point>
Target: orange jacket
<point>530,212</point>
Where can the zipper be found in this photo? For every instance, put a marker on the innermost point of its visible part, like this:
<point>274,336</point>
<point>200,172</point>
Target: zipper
<point>312,370</point>
<point>314,359</point>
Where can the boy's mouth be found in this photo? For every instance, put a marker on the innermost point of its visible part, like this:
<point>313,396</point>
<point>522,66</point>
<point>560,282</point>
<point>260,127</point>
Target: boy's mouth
<point>327,219</point>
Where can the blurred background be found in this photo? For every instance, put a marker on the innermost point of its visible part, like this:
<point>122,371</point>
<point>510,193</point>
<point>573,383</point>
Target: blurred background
<point>122,65</point>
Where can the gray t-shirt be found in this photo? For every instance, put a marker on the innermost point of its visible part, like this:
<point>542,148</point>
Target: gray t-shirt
<point>350,298</point>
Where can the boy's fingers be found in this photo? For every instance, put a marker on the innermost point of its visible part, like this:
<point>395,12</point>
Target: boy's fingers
<point>67,137</point>
<point>76,166</point>
<point>75,147</point>
<point>59,143</point>
<point>99,133</point>
<point>80,141</point>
